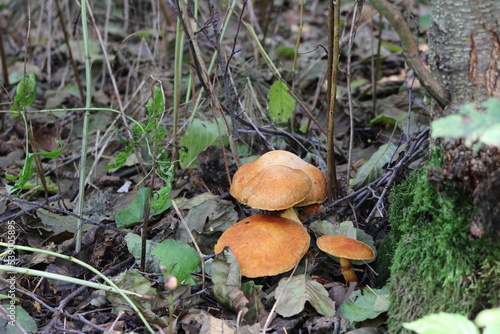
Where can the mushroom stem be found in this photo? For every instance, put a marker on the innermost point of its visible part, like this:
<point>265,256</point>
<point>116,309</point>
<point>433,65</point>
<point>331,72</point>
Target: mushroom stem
<point>347,270</point>
<point>289,213</point>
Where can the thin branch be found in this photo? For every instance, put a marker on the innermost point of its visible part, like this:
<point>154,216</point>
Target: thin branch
<point>410,50</point>
<point>333,62</point>
<point>355,22</point>
<point>416,150</point>
<point>191,236</point>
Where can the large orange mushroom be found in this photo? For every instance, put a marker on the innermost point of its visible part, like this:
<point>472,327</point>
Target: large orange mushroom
<point>265,245</point>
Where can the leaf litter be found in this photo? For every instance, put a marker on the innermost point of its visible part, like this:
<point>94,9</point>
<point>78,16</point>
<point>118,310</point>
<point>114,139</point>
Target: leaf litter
<point>228,303</point>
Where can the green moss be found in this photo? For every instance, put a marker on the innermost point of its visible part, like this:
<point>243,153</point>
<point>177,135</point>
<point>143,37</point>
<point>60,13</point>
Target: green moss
<point>436,266</point>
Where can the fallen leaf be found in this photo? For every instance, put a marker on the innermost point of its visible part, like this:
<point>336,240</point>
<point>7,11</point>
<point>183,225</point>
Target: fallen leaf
<point>373,168</point>
<point>200,322</point>
<point>366,304</point>
<point>293,295</point>
<point>226,276</point>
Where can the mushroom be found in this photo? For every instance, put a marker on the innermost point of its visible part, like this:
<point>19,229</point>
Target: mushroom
<point>276,188</point>
<point>265,245</point>
<point>346,249</point>
<point>276,181</point>
<point>310,210</point>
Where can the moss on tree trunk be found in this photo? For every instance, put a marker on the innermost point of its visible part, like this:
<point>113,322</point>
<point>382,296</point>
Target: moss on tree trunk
<point>437,266</point>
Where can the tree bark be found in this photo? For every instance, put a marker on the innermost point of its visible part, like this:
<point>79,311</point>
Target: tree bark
<point>464,55</point>
<point>464,49</point>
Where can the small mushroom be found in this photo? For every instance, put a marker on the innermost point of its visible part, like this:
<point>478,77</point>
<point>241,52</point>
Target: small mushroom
<point>265,245</point>
<point>346,249</point>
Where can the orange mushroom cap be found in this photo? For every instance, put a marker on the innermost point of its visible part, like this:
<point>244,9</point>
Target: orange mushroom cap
<point>344,247</point>
<point>276,188</point>
<point>265,245</point>
<point>246,173</point>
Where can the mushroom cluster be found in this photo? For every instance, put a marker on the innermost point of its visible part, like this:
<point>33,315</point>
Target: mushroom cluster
<point>278,181</point>
<point>267,245</point>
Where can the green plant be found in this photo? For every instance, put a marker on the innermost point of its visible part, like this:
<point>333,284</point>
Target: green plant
<point>444,323</point>
<point>281,103</point>
<point>25,95</point>
<point>475,123</point>
<point>149,136</point>
<point>10,248</point>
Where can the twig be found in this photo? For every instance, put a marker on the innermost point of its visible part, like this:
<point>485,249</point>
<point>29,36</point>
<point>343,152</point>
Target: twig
<point>191,236</point>
<point>416,150</point>
<point>410,50</point>
<point>53,209</point>
<point>202,72</point>
<point>78,291</point>
<point>70,51</point>
<point>333,62</point>
<point>355,21</point>
<point>271,312</point>
<point>224,65</point>
<point>11,247</point>
<point>3,59</point>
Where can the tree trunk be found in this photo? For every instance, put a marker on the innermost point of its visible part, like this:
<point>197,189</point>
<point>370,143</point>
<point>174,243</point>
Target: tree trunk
<point>464,54</point>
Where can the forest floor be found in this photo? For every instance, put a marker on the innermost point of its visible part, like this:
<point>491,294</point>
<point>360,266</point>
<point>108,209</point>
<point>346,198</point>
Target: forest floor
<point>157,147</point>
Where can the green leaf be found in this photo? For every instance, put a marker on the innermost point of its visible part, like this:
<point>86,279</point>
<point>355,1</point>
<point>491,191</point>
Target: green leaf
<point>383,120</point>
<point>160,201</point>
<point>134,245</point>
<point>285,52</point>
<point>25,92</point>
<point>373,168</point>
<point>366,304</point>
<point>293,296</point>
<point>130,280</point>
<point>472,124</point>
<point>198,136</point>
<point>281,104</point>
<point>180,259</point>
<point>52,154</point>
<point>20,316</point>
<point>490,320</point>
<point>121,158</point>
<point>391,47</point>
<point>28,169</point>
<point>156,104</point>
<point>24,175</point>
<point>442,323</point>
<point>133,213</point>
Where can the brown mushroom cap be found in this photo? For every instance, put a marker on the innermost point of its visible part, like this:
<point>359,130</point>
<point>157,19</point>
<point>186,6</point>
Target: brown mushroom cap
<point>249,171</point>
<point>276,188</point>
<point>265,245</point>
<point>344,247</point>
